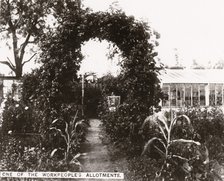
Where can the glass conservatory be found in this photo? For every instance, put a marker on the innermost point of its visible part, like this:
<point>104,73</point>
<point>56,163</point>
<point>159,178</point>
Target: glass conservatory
<point>197,87</point>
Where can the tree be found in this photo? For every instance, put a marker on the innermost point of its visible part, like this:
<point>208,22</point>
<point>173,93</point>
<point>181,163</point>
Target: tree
<point>22,22</point>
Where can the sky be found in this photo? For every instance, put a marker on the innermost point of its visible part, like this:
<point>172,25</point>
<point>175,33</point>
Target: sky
<point>193,29</point>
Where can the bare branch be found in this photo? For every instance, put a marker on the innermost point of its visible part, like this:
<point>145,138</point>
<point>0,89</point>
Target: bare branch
<point>9,65</point>
<point>23,46</point>
<point>28,59</point>
<point>27,43</point>
<point>13,31</point>
<point>10,62</point>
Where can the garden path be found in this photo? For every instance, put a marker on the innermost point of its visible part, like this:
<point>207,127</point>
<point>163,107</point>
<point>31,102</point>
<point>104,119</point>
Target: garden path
<point>97,158</point>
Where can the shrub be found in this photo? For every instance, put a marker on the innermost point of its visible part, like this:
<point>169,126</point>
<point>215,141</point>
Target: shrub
<point>20,152</point>
<point>143,168</point>
<point>209,129</point>
<point>124,124</point>
<point>187,161</point>
<point>19,117</point>
<point>16,156</point>
<point>22,121</point>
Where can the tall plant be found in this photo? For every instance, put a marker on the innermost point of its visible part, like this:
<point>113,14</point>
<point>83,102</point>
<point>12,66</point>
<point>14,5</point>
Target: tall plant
<point>70,136</point>
<point>163,145</point>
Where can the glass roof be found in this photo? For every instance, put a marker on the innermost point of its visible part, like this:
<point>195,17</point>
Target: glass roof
<point>192,76</point>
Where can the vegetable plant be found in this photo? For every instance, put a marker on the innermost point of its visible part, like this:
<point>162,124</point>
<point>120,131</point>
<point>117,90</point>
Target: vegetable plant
<point>165,142</point>
<point>70,135</point>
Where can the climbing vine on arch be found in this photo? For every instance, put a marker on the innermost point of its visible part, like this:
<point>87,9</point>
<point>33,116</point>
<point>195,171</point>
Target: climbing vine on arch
<point>62,56</point>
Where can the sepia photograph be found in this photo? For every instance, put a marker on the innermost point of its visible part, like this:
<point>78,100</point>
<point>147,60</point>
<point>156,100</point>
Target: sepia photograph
<point>94,90</point>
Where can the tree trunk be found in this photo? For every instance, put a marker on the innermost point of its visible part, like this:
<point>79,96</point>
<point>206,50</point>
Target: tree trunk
<point>18,71</point>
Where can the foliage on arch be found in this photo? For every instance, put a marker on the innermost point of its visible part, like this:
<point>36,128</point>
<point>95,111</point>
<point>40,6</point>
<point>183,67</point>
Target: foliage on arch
<point>62,56</point>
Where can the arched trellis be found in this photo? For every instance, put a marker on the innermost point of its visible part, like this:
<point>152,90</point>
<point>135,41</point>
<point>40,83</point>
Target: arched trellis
<point>63,52</point>
<point>62,56</point>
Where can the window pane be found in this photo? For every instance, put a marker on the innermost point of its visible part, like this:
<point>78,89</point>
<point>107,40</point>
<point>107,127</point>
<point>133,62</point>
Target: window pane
<point>165,101</point>
<point>173,95</point>
<point>212,95</point>
<point>188,95</point>
<point>202,95</point>
<point>180,95</point>
<point>218,95</point>
<point>195,95</point>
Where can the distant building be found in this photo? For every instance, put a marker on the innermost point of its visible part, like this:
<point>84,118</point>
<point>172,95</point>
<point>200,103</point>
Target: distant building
<point>192,87</point>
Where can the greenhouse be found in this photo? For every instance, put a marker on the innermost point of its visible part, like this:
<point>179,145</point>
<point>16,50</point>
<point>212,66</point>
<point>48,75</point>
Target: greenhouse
<point>192,87</point>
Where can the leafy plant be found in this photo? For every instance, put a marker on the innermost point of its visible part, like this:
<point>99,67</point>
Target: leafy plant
<point>208,126</point>
<point>19,117</point>
<point>163,145</point>
<point>71,136</point>
<point>123,125</point>
<point>18,154</point>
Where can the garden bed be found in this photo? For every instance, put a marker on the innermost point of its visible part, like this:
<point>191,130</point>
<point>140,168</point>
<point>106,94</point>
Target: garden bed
<point>195,145</point>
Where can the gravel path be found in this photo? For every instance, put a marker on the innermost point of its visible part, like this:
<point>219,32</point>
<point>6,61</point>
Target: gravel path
<point>97,158</point>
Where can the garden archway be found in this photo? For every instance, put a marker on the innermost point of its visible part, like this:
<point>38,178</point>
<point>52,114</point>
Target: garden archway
<point>130,36</point>
<point>62,56</point>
